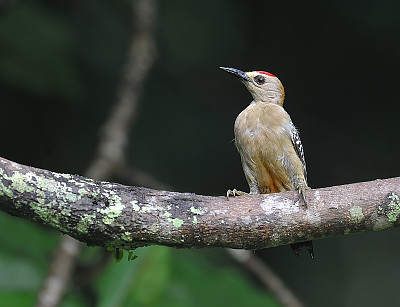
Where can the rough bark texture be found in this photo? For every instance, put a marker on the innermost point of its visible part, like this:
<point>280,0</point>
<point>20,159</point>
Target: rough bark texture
<point>114,215</point>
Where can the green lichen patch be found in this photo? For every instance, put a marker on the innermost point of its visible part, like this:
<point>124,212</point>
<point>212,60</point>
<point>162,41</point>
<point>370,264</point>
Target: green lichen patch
<point>49,217</point>
<point>41,195</point>
<point>31,182</point>
<point>393,207</point>
<point>176,222</point>
<point>6,191</point>
<point>65,212</point>
<point>42,211</point>
<point>19,183</point>
<point>146,208</point>
<point>356,214</point>
<point>112,212</point>
<point>66,176</point>
<point>127,236</point>
<point>83,192</point>
<point>195,210</point>
<point>194,219</point>
<point>86,221</point>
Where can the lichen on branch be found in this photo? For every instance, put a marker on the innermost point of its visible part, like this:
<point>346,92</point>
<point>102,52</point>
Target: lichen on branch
<point>110,214</point>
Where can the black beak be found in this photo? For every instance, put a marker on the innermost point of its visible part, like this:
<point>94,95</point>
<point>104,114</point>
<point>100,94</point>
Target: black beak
<point>238,73</point>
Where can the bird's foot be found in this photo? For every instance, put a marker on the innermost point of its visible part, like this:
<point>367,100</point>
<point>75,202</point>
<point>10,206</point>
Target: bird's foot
<point>302,192</point>
<point>296,247</point>
<point>234,193</point>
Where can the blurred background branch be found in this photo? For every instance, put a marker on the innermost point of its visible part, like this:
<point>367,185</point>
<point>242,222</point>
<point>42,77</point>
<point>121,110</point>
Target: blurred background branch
<point>6,5</point>
<point>111,149</point>
<point>271,281</point>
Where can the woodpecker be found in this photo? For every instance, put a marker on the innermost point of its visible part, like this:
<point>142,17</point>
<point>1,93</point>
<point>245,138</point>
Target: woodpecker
<point>268,143</point>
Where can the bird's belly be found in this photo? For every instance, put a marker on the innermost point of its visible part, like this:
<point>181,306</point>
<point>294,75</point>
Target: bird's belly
<point>262,151</point>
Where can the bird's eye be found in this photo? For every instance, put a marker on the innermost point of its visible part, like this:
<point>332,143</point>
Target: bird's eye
<point>259,79</point>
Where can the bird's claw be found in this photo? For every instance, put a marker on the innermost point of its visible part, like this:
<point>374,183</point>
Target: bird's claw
<point>234,193</point>
<point>302,192</point>
<point>296,247</point>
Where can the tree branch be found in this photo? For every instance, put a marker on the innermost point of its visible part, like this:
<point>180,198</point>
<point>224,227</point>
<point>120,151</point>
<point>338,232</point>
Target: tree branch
<point>111,214</point>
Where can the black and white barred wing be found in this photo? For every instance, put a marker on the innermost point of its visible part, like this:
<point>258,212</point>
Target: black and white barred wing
<point>299,149</point>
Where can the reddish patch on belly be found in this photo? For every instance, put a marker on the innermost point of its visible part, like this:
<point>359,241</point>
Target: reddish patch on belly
<point>270,183</point>
<point>267,183</point>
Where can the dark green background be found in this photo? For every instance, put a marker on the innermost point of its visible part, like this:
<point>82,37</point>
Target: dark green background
<point>60,64</point>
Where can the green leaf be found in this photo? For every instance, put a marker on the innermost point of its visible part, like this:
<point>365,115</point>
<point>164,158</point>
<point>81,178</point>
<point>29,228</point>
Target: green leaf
<point>131,256</point>
<point>118,255</point>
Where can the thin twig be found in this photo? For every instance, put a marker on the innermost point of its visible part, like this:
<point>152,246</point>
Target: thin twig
<point>115,132</point>
<point>60,269</point>
<point>266,276</point>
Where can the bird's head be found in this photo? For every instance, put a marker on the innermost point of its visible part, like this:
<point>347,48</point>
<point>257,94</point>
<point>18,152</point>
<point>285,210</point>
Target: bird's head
<point>263,86</point>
